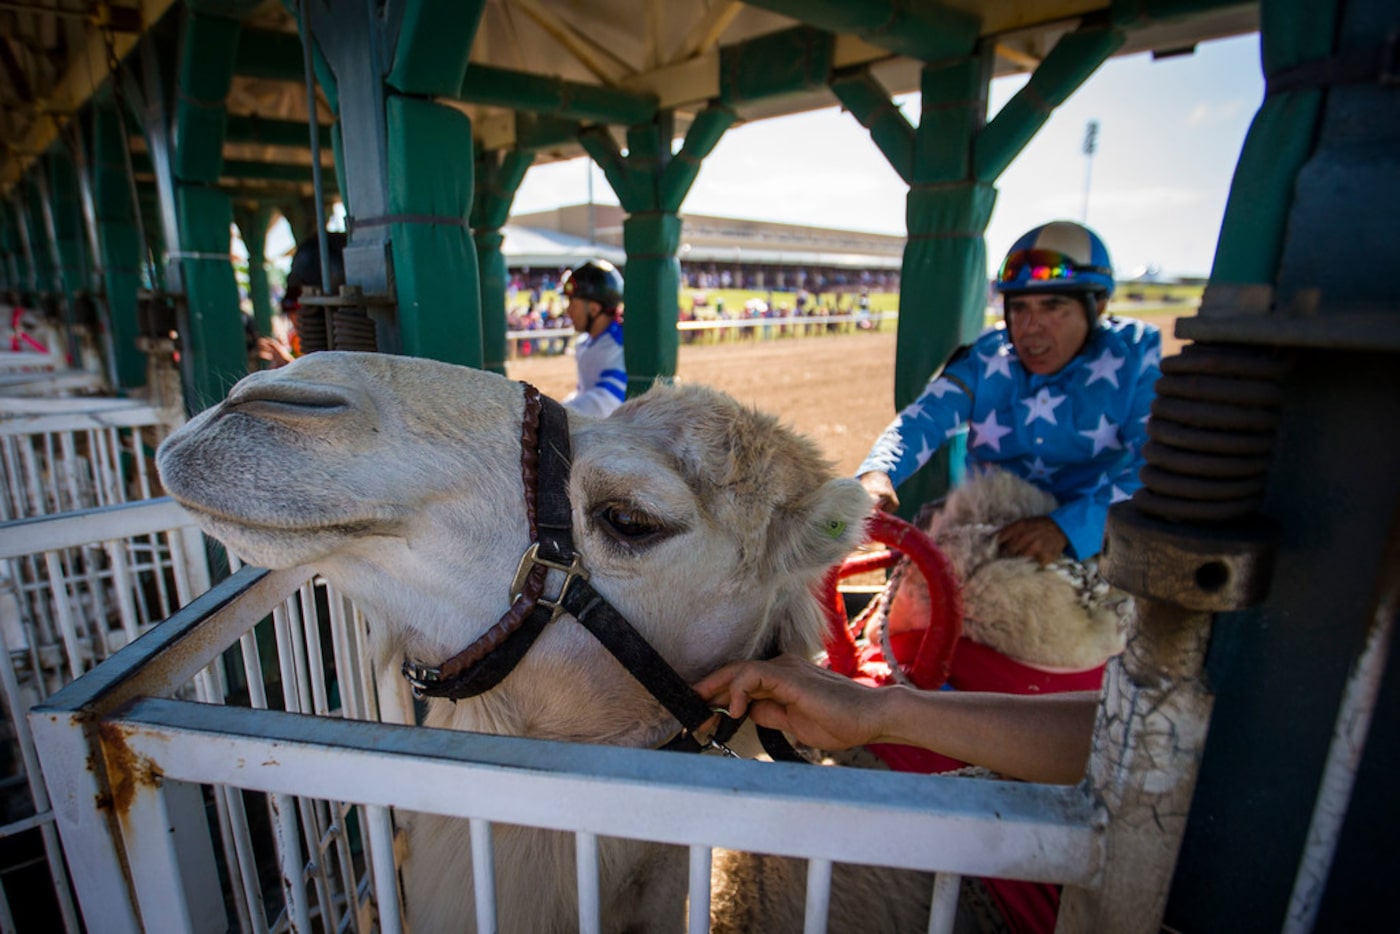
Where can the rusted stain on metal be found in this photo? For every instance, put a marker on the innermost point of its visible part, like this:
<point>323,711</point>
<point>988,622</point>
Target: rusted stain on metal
<point>127,772</point>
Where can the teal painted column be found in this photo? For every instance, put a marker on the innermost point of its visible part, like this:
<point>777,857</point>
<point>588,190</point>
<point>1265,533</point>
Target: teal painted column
<point>404,162</point>
<point>498,177</point>
<point>253,223</point>
<point>651,184</point>
<point>122,250</point>
<point>215,343</point>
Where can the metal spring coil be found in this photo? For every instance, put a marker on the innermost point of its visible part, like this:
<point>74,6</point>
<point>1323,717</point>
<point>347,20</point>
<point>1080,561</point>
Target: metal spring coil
<point>311,329</point>
<point>353,329</point>
<point>1211,434</point>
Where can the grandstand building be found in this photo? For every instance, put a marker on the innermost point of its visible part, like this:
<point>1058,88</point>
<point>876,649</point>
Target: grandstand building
<point>715,252</point>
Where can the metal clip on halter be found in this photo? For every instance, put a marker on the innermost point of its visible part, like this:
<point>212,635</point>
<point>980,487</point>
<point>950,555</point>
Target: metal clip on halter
<point>420,677</point>
<point>574,570</point>
<point>712,741</point>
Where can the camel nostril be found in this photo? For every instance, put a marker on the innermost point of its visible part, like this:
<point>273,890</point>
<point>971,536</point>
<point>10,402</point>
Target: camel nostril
<point>287,398</point>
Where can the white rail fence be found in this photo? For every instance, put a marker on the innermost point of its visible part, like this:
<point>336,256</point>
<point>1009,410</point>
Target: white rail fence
<point>327,776</point>
<point>80,586</point>
<point>557,340</point>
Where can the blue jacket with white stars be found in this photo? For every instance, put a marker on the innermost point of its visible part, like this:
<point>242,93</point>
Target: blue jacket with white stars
<point>1077,433</point>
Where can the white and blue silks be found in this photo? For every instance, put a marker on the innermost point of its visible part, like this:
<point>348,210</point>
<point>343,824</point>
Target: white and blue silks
<point>1077,433</point>
<point>602,373</point>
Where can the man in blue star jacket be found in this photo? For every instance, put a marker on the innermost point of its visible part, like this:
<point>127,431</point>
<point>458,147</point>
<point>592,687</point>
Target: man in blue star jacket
<point>1059,396</point>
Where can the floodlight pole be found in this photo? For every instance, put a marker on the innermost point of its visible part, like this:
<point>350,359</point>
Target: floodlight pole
<point>1091,143</point>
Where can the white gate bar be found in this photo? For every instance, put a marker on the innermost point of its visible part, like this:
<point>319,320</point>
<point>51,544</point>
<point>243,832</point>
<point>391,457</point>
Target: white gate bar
<point>818,896</point>
<point>944,909</point>
<point>1008,830</point>
<point>590,911</point>
<point>91,417</point>
<point>701,864</point>
<point>379,841</point>
<point>22,537</point>
<point>483,875</point>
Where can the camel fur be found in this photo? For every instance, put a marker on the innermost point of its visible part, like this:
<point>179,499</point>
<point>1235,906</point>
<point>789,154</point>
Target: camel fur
<point>707,524</point>
<point>1063,616</point>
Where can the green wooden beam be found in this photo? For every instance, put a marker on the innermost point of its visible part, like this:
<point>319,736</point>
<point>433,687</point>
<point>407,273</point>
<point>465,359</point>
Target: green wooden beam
<point>269,55</point>
<point>917,28</point>
<point>1069,64</point>
<point>786,62</point>
<point>870,104</point>
<point>574,100</point>
<point>264,132</point>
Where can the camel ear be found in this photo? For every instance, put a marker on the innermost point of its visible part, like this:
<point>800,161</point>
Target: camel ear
<point>803,542</point>
<point>822,529</point>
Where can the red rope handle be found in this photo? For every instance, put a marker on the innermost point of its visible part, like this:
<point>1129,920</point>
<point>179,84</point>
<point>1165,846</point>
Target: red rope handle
<point>934,657</point>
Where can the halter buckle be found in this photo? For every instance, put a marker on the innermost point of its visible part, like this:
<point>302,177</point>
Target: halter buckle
<point>572,571</point>
<point>420,677</point>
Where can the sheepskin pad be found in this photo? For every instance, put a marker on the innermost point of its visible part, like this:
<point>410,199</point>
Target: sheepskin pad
<point>1062,616</point>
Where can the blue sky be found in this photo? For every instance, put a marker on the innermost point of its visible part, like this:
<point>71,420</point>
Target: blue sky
<point>1170,132</point>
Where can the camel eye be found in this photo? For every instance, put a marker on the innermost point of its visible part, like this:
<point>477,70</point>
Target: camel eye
<point>628,524</point>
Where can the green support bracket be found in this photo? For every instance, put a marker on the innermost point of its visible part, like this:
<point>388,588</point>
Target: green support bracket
<point>1070,63</point>
<point>498,177</point>
<point>253,223</point>
<point>122,250</point>
<point>920,29</point>
<point>871,105</point>
<point>700,140</point>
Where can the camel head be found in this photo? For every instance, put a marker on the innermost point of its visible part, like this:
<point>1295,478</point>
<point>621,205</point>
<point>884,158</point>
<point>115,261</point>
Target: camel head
<point>705,523</point>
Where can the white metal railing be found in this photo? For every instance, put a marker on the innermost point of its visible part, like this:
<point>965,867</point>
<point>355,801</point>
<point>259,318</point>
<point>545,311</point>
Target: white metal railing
<point>323,768</point>
<point>58,455</point>
<point>80,586</point>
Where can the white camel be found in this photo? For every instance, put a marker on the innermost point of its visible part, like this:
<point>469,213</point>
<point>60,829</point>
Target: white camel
<point>707,524</point>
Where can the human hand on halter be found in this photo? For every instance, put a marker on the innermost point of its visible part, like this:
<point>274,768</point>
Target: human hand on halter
<point>813,705</point>
<point>880,488</point>
<point>1038,738</point>
<point>1037,537</point>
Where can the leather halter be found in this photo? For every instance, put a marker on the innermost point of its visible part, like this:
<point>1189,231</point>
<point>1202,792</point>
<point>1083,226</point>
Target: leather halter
<point>544,466</point>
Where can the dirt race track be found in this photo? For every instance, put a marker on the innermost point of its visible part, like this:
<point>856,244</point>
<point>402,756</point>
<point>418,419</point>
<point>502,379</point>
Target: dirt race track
<point>836,389</point>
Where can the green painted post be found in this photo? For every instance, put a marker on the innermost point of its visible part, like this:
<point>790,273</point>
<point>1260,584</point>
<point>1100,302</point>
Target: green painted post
<point>215,343</point>
<point>438,285</point>
<point>121,248</point>
<point>651,184</point>
<point>497,179</point>
<point>253,222</point>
